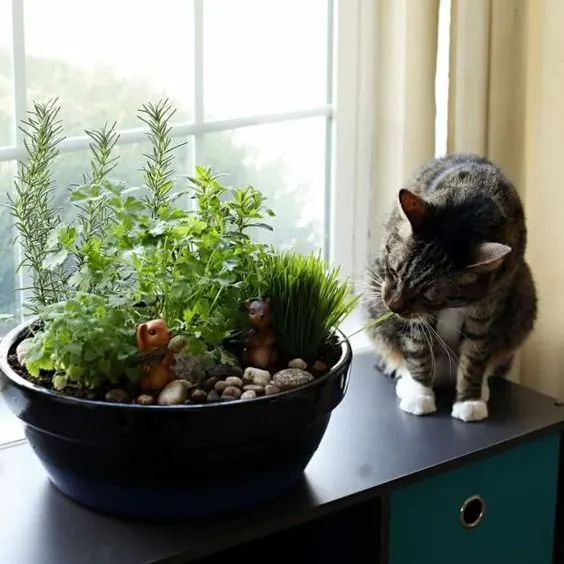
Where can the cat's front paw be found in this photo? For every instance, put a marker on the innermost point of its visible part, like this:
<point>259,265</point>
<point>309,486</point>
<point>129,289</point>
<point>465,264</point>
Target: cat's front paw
<point>415,398</point>
<point>471,410</point>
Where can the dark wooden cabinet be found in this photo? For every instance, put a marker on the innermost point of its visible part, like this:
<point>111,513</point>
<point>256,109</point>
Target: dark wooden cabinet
<point>384,487</point>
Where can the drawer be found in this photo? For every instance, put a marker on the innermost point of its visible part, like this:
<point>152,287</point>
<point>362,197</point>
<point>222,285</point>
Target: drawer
<point>497,510</point>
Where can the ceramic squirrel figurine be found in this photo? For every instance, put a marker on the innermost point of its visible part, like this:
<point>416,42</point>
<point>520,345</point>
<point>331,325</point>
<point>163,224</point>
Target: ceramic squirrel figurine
<point>152,336</point>
<point>260,351</point>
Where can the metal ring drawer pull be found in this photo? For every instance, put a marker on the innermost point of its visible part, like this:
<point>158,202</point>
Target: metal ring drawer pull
<point>472,512</point>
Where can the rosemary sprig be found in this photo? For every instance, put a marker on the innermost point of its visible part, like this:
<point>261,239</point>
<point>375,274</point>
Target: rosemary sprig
<point>95,212</point>
<point>32,202</point>
<point>158,171</point>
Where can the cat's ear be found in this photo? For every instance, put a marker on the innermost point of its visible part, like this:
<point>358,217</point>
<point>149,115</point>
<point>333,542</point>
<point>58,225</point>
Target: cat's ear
<point>414,208</point>
<point>489,256</point>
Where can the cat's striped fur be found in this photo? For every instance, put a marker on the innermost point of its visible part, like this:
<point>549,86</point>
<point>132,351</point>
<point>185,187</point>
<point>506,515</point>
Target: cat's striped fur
<point>451,266</point>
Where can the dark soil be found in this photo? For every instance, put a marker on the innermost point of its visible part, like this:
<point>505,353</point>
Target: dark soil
<point>329,354</point>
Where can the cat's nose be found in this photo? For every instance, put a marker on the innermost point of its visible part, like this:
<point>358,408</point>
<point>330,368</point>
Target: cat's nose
<point>396,304</point>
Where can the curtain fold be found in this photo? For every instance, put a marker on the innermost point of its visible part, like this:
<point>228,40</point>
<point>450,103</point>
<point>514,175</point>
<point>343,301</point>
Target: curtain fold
<point>405,99</point>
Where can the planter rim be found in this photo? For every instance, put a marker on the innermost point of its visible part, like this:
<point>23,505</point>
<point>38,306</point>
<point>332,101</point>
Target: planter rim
<point>9,373</point>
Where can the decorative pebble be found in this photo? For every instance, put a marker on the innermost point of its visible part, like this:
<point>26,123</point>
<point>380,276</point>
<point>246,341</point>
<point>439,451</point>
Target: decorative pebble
<point>220,386</point>
<point>21,350</point>
<point>213,396</point>
<point>319,366</point>
<point>291,378</point>
<point>177,343</point>
<point>223,371</point>
<point>270,390</point>
<point>248,394</point>
<point>256,376</point>
<point>298,363</point>
<point>231,392</point>
<point>117,396</point>
<point>234,381</point>
<point>198,396</point>
<point>254,388</point>
<point>174,393</point>
<point>209,383</point>
<point>146,399</point>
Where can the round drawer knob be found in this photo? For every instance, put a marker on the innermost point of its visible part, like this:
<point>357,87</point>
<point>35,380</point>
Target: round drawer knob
<point>472,512</point>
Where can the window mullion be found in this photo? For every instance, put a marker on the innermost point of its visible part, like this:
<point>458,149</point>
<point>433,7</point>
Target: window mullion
<point>198,76</point>
<point>19,68</point>
<point>328,205</point>
<point>23,276</point>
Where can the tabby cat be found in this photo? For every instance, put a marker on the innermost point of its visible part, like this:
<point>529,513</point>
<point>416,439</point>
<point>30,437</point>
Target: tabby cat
<point>452,269</point>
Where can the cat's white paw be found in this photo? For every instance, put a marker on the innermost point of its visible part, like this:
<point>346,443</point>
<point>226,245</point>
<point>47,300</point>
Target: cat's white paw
<point>415,398</point>
<point>471,410</point>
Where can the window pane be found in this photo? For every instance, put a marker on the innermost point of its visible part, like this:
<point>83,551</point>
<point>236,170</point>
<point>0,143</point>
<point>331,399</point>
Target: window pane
<point>125,57</point>
<point>6,81</point>
<point>286,162</point>
<point>262,57</point>
<point>9,296</point>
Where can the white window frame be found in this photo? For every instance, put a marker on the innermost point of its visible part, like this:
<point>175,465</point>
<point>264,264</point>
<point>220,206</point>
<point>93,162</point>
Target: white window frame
<point>349,137</point>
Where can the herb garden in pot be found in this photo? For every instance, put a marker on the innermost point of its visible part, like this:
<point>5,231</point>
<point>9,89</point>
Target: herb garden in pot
<point>171,364</point>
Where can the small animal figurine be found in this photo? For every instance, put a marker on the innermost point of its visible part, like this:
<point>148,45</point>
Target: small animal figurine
<point>152,336</point>
<point>260,351</point>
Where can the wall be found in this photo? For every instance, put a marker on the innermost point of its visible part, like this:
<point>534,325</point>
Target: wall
<point>541,359</point>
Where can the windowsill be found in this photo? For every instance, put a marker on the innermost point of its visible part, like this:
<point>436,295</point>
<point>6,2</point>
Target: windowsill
<point>11,428</point>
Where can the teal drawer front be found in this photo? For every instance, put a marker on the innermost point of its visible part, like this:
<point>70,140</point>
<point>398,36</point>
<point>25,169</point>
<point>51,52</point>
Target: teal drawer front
<point>518,488</point>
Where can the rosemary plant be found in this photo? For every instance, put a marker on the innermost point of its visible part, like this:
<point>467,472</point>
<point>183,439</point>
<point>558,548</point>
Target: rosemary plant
<point>31,205</point>
<point>158,171</point>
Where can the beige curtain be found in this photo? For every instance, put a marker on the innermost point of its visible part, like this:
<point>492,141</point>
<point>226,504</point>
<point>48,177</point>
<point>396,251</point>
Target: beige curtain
<point>506,101</point>
<point>506,92</point>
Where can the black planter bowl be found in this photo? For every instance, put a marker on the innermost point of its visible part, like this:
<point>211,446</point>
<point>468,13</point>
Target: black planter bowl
<point>170,462</point>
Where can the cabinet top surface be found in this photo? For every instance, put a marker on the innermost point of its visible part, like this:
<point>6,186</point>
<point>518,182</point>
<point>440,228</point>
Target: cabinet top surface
<point>370,446</point>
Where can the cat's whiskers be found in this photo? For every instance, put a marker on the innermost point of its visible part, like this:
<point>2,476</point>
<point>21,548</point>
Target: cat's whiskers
<point>429,339</point>
<point>452,357</point>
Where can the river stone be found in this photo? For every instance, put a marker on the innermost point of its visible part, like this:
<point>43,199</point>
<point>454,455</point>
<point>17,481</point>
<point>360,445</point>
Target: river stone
<point>213,396</point>
<point>198,396</point>
<point>220,386</point>
<point>298,363</point>
<point>249,394</point>
<point>231,392</point>
<point>270,390</point>
<point>174,393</point>
<point>291,378</point>
<point>320,366</point>
<point>254,388</point>
<point>234,381</point>
<point>117,396</point>
<point>145,399</point>
<point>256,376</point>
<point>177,343</point>
<point>21,350</point>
